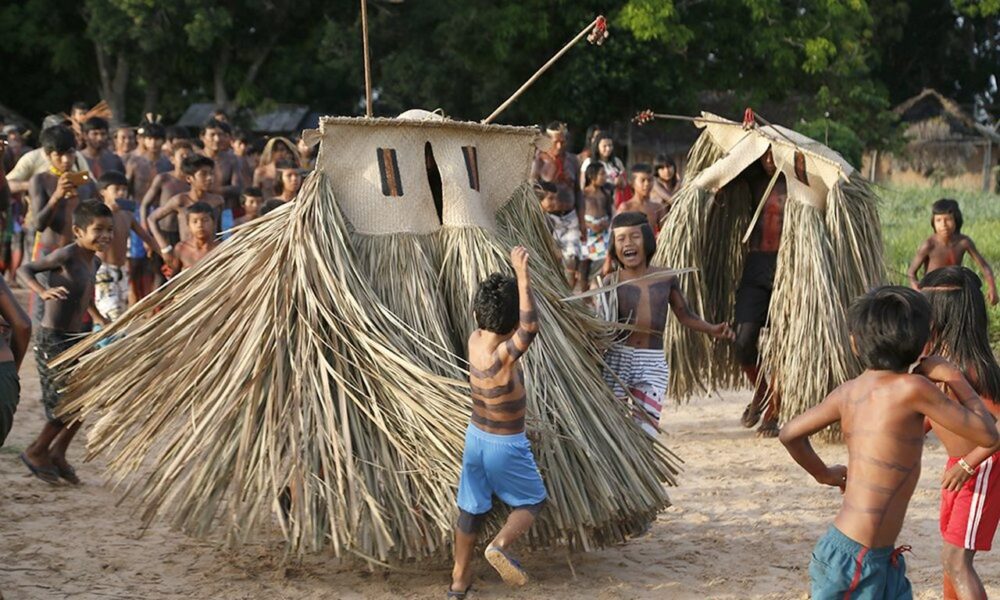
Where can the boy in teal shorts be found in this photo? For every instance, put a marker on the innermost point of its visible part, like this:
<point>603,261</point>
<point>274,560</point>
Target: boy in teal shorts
<point>881,413</point>
<point>497,459</point>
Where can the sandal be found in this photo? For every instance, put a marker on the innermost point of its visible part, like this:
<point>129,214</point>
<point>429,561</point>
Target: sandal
<point>768,429</point>
<point>751,415</point>
<point>68,473</point>
<point>458,595</point>
<point>510,570</point>
<point>49,475</point>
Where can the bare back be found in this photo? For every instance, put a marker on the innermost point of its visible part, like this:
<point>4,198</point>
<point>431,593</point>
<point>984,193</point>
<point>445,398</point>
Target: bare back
<point>885,441</point>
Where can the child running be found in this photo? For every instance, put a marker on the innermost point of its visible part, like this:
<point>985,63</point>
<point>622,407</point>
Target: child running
<point>68,295</point>
<point>948,245</point>
<point>497,459</point>
<point>598,209</point>
<point>970,498</point>
<point>881,413</point>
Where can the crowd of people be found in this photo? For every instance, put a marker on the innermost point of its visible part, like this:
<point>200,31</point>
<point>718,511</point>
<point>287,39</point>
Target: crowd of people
<point>106,216</point>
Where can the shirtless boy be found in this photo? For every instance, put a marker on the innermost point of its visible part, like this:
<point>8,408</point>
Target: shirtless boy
<point>948,246</point>
<point>642,184</point>
<point>111,284</point>
<point>228,180</point>
<point>753,296</point>
<point>598,206</point>
<point>54,197</point>
<point>970,494</point>
<point>497,459</point>
<point>143,165</point>
<point>638,360</point>
<point>199,173</point>
<point>288,182</point>
<point>562,223</point>
<point>881,413</point>
<point>69,294</point>
<point>253,202</point>
<point>200,219</point>
<point>99,158</point>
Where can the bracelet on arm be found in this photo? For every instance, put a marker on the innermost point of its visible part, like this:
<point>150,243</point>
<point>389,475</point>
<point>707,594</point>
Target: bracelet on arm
<point>965,466</point>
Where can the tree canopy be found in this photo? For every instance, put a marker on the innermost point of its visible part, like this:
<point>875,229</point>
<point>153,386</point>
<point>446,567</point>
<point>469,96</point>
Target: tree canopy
<point>841,64</point>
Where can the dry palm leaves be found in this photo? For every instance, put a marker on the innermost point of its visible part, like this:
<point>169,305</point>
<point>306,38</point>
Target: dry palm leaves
<point>326,379</point>
<point>827,257</point>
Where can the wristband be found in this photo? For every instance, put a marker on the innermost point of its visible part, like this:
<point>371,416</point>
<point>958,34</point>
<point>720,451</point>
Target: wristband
<point>965,466</point>
<point>167,249</point>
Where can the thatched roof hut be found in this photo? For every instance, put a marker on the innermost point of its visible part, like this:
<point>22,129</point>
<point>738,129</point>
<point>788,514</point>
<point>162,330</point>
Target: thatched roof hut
<point>945,146</point>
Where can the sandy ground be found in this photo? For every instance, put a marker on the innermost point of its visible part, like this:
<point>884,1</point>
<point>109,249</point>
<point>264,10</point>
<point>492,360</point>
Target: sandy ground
<point>743,524</point>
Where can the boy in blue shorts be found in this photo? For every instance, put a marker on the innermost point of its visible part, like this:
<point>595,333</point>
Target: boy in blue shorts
<point>497,458</point>
<point>881,413</point>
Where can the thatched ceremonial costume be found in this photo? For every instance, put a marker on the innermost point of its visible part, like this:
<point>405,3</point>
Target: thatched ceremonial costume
<point>319,350</point>
<point>831,251</point>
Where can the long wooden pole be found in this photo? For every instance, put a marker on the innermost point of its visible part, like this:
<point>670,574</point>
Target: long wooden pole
<point>542,70</point>
<point>368,65</point>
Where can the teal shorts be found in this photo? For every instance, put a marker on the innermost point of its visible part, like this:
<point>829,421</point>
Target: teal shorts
<point>843,569</point>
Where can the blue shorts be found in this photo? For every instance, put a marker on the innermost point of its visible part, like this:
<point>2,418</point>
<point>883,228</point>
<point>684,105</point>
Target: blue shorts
<point>497,464</point>
<point>844,569</point>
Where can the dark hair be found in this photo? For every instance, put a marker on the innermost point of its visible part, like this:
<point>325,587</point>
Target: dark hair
<point>641,168</point>
<point>219,113</point>
<point>253,192</point>
<point>595,154</point>
<point>179,143</point>
<point>152,130</point>
<point>216,124</point>
<point>947,206</point>
<point>634,219</point>
<point>593,169</point>
<point>80,106</point>
<point>591,132</point>
<point>243,136</point>
<point>176,132</point>
<point>88,211</point>
<point>556,126</point>
<point>961,326</point>
<point>194,162</point>
<point>59,139</point>
<point>496,303</point>
<point>545,187</point>
<point>94,124</point>
<point>270,205</point>
<point>890,326</point>
<point>111,178</point>
<point>199,208</point>
<point>662,160</point>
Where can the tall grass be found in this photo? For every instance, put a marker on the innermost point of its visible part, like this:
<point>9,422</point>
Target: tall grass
<point>906,223</point>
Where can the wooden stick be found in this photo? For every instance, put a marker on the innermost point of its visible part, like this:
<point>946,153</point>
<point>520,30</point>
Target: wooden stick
<point>542,70</point>
<point>368,66</point>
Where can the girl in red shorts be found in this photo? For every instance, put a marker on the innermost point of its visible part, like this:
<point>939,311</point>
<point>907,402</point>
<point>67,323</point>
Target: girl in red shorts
<point>970,494</point>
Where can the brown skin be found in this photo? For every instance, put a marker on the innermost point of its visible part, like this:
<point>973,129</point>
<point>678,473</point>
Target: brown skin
<point>265,174</point>
<point>53,200</point>
<point>140,166</point>
<point>228,180</point>
<point>201,182</point>
<point>642,183</point>
<point>948,248</point>
<point>546,168</point>
<point>598,205</point>
<point>70,295</point>
<point>202,241</point>
<point>97,154</point>
<point>19,324</point>
<point>644,304</point>
<point>291,181</point>
<point>251,209</point>
<point>881,414</point>
<point>499,397</point>
<point>124,222</point>
<point>125,143</point>
<point>164,187</point>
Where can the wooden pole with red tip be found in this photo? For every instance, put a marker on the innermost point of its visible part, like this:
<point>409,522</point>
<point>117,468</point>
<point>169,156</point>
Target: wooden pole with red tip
<point>368,66</point>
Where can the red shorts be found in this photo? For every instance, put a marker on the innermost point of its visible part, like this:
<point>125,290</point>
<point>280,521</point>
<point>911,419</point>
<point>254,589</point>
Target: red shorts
<point>969,516</point>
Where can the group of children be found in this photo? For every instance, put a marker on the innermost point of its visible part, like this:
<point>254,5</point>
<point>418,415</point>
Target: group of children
<point>92,242</point>
<point>928,365</point>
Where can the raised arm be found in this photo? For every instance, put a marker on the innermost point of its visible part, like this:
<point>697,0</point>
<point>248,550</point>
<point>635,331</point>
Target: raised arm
<point>969,417</point>
<point>20,324</point>
<point>691,320</point>
<point>919,260</point>
<point>795,437</point>
<point>527,327</point>
<point>991,284</point>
